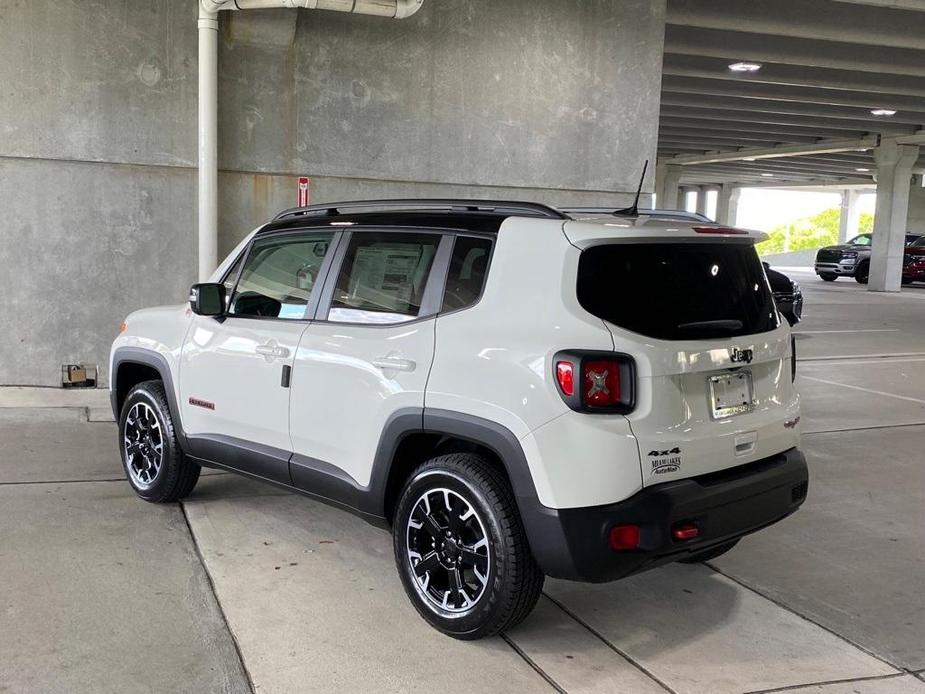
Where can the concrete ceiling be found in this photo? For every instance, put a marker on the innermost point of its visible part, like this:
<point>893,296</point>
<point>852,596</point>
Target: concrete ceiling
<point>825,65</point>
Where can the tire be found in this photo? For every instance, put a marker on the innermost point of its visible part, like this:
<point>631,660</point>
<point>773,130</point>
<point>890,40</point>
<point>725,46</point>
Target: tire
<point>709,554</point>
<point>153,462</point>
<point>464,498</point>
<point>862,274</point>
<point>828,277</point>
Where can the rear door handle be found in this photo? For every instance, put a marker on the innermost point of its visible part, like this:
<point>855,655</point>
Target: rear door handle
<point>273,350</point>
<point>394,364</point>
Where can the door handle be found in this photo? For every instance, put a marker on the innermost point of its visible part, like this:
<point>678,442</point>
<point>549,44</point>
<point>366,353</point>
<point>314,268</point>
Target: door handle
<point>272,350</point>
<point>394,364</point>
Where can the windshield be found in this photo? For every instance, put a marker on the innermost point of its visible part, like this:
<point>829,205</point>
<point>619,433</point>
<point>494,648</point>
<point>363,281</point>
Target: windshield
<point>920,241</point>
<point>678,291</point>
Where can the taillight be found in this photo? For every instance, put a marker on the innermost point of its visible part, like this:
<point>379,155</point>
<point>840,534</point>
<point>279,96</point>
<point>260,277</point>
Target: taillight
<point>624,537</point>
<point>793,359</point>
<point>601,382</point>
<point>565,376</point>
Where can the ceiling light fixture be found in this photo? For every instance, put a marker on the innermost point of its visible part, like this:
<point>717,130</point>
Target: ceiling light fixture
<point>749,159</point>
<point>861,169</point>
<point>883,112</point>
<point>745,67</point>
<point>767,175</point>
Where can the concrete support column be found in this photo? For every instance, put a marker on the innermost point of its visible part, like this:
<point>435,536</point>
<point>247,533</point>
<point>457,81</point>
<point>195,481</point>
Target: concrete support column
<point>894,176</point>
<point>683,193</point>
<point>702,200</point>
<point>850,219</point>
<point>667,178</point>
<point>727,204</point>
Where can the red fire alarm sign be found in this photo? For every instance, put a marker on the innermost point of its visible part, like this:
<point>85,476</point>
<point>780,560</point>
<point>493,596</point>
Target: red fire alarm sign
<point>304,183</point>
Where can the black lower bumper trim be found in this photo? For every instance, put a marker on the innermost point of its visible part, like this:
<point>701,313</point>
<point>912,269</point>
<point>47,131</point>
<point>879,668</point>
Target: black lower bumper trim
<point>573,543</point>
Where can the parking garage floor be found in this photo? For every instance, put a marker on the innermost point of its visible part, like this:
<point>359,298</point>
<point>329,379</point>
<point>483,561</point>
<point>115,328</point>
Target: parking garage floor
<point>245,588</point>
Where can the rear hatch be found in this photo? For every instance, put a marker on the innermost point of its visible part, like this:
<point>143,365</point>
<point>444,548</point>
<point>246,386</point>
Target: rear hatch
<point>713,360</point>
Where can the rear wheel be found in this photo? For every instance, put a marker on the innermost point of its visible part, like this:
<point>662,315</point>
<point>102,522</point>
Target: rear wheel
<point>862,274</point>
<point>828,277</point>
<point>151,456</point>
<point>709,554</point>
<point>461,550</point>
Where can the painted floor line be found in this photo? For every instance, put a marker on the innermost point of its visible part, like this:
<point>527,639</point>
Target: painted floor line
<point>791,687</point>
<point>865,390</point>
<point>23,482</point>
<point>832,332</point>
<point>594,632</point>
<point>849,362</point>
<point>848,430</point>
<point>861,357</point>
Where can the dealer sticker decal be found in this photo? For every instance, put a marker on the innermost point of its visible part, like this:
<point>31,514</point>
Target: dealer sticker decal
<point>665,461</point>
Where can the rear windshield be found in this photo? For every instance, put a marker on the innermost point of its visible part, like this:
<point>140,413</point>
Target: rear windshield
<point>678,291</point>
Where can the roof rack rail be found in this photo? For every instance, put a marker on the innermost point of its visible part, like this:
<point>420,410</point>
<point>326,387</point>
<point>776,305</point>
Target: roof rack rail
<point>511,207</point>
<point>594,210</point>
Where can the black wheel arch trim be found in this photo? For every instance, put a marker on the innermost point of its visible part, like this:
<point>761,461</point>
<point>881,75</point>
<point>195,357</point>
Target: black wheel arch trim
<point>544,532</point>
<point>146,357</point>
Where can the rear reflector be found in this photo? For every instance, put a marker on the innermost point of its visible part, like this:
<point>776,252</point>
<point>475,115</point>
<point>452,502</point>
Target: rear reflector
<point>565,375</point>
<point>687,531</point>
<point>624,537</point>
<point>721,230</point>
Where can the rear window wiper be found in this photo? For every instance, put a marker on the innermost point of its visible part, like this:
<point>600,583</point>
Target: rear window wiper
<point>723,324</point>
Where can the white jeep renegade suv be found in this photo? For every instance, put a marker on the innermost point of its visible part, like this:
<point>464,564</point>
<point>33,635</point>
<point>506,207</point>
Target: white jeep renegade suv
<point>515,391</point>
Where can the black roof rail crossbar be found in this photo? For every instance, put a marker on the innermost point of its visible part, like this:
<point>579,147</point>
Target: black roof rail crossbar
<point>530,209</point>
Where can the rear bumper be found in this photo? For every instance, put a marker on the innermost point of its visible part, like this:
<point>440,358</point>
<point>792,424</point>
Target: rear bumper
<point>573,543</point>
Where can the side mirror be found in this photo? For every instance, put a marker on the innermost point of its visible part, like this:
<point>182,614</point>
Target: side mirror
<point>767,265</point>
<point>207,299</point>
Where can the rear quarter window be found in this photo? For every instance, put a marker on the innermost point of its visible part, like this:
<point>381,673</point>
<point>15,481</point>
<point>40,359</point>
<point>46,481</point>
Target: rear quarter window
<point>678,291</point>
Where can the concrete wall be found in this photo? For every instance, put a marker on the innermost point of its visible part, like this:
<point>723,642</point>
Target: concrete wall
<point>531,99</point>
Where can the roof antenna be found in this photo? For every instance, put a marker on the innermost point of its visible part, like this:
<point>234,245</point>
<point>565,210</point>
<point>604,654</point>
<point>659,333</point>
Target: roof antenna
<point>633,210</point>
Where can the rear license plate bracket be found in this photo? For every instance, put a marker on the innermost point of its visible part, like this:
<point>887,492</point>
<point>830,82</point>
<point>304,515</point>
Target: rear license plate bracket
<point>731,394</point>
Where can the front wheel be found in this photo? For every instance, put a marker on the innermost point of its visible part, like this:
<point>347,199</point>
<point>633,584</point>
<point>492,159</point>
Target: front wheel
<point>461,549</point>
<point>151,456</point>
<point>862,274</point>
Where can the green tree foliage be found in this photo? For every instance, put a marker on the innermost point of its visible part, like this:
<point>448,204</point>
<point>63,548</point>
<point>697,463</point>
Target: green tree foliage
<point>810,232</point>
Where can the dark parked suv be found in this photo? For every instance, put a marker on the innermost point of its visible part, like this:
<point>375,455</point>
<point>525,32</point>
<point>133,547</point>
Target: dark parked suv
<point>849,260</point>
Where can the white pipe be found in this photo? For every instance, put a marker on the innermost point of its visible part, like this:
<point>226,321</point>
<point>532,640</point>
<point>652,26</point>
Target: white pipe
<point>208,96</point>
<point>208,144</point>
<point>398,9</point>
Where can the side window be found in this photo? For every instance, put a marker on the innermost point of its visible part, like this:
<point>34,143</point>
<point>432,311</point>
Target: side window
<point>862,240</point>
<point>279,275</point>
<point>468,269</point>
<point>383,277</point>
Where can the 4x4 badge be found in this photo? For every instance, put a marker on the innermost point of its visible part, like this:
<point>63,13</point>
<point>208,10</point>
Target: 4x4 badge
<point>742,355</point>
<point>665,461</point>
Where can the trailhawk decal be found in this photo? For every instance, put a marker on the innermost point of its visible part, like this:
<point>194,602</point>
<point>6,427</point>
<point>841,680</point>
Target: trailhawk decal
<point>665,461</point>
<point>202,403</point>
